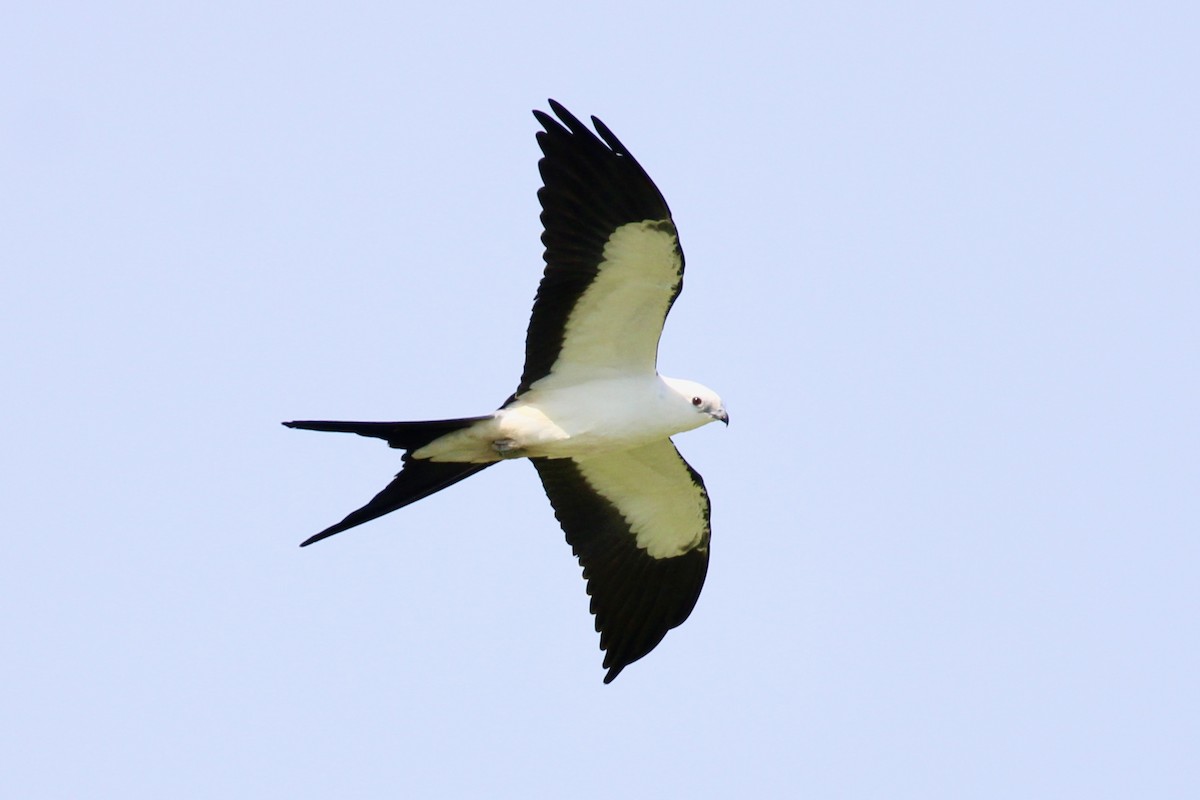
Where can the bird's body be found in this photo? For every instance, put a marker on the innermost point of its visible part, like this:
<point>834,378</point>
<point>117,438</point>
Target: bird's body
<point>591,412</point>
<point>575,419</point>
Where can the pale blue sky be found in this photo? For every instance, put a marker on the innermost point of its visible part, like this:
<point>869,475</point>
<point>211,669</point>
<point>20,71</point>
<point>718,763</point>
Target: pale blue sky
<point>943,268</point>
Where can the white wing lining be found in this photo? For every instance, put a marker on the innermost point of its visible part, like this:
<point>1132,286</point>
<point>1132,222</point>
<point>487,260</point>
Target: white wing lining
<point>653,489</point>
<point>617,322</point>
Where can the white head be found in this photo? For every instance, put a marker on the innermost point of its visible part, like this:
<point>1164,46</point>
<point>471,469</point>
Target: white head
<point>704,402</point>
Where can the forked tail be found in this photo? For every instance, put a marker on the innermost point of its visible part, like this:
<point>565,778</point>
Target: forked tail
<point>417,478</point>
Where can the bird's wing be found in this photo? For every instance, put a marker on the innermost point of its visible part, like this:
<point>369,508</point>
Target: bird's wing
<point>638,520</point>
<point>613,261</point>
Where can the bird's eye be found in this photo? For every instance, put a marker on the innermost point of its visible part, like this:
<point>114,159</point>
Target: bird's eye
<point>696,401</point>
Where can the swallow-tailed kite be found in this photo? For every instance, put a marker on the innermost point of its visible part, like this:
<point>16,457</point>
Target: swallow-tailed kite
<point>591,411</point>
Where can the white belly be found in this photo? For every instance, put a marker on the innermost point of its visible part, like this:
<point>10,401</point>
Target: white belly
<point>576,420</point>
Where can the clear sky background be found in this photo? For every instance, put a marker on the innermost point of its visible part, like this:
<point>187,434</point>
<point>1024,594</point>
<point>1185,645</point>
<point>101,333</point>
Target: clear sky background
<point>943,268</point>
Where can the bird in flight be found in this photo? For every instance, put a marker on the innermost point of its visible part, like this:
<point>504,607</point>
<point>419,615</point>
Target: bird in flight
<point>591,412</point>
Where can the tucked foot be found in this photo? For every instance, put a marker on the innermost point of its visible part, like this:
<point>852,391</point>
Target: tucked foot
<point>507,448</point>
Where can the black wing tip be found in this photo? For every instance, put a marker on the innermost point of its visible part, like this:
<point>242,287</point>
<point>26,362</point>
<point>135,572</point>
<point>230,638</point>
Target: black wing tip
<point>600,143</point>
<point>570,124</point>
<point>568,121</point>
<point>545,120</point>
<point>610,138</point>
<point>562,113</point>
